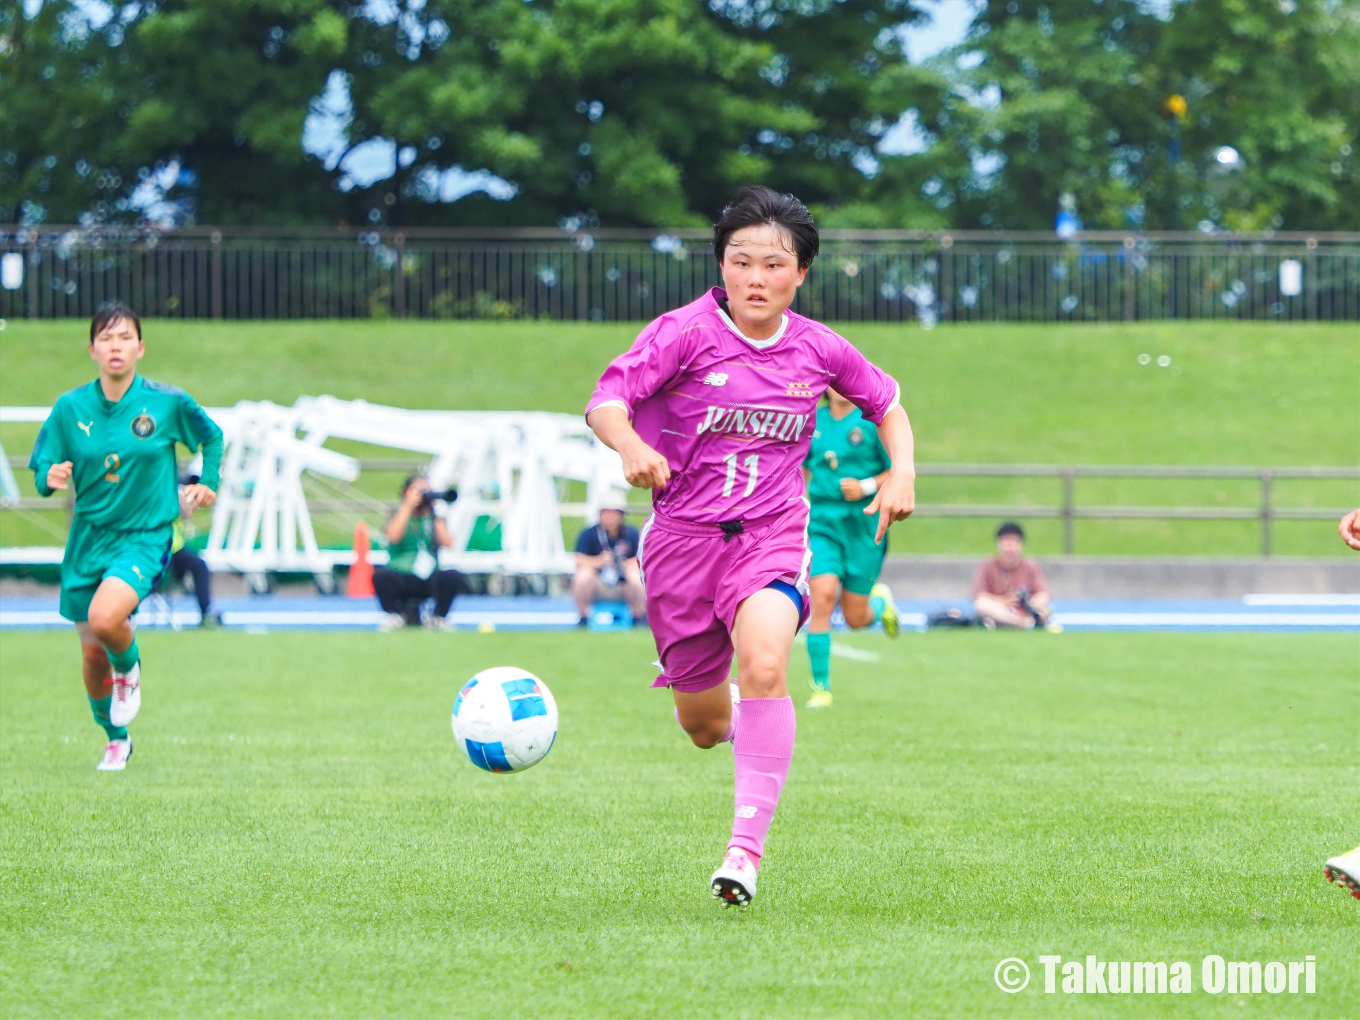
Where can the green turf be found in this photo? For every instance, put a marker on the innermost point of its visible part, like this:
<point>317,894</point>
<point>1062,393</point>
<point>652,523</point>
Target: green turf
<point>297,836</point>
<point>1236,393</point>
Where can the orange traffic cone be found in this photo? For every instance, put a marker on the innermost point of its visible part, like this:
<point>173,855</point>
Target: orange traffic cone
<point>361,570</point>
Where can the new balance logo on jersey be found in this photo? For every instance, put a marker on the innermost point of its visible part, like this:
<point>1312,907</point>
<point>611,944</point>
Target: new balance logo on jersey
<point>85,428</point>
<point>746,811</point>
<point>715,379</point>
<point>761,424</point>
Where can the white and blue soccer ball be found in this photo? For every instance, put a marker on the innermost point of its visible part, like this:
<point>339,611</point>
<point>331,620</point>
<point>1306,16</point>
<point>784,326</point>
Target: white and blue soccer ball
<point>505,719</point>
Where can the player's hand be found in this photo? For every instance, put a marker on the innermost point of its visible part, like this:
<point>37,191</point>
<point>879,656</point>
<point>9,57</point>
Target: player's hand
<point>198,495</point>
<point>895,501</point>
<point>851,490</point>
<point>644,467</point>
<point>1350,529</point>
<point>58,475</point>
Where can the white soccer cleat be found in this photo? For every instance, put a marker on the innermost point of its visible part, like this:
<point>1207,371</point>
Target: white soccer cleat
<point>127,696</point>
<point>734,883</point>
<point>116,755</point>
<point>1345,871</point>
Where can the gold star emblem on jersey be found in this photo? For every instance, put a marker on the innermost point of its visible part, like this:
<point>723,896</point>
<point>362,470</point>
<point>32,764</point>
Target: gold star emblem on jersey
<point>799,389</point>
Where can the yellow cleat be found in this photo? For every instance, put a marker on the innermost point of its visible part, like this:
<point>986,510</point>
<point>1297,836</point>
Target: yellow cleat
<point>892,625</point>
<point>819,699</point>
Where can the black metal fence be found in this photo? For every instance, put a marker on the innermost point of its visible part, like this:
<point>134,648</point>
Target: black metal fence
<point>610,275</point>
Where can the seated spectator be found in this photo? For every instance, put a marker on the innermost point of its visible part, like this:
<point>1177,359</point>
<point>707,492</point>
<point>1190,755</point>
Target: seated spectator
<point>415,534</point>
<point>1010,591</point>
<point>606,563</point>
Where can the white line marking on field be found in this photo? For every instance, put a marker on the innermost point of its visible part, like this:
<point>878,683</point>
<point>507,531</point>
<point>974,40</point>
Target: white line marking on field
<point>844,651</point>
<point>1301,600</point>
<point>1246,620</point>
<point>858,654</point>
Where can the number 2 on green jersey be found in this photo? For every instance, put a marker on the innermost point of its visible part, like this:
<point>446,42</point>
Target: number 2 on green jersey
<point>751,463</point>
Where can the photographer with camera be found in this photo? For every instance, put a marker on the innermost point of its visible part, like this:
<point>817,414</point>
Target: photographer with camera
<point>606,563</point>
<point>415,534</point>
<point>1010,591</point>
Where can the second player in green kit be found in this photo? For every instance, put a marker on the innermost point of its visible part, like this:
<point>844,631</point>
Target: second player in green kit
<point>844,467</point>
<point>113,441</point>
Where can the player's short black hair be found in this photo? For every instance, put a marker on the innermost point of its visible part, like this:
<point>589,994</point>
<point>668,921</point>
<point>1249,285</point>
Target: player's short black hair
<point>1011,528</point>
<point>110,312</point>
<point>756,204</point>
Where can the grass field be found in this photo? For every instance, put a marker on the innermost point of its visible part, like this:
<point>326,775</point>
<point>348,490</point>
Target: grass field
<point>296,835</point>
<point>1237,393</point>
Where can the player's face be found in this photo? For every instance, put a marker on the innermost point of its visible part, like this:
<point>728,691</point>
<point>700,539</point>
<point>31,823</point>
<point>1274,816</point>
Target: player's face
<point>761,276</point>
<point>840,406</point>
<point>117,348</point>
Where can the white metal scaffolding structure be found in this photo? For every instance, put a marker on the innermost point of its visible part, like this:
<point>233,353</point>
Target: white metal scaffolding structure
<point>507,465</point>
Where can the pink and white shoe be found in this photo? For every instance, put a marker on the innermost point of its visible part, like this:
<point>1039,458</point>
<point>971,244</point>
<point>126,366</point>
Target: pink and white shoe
<point>116,755</point>
<point>734,883</point>
<point>127,696</point>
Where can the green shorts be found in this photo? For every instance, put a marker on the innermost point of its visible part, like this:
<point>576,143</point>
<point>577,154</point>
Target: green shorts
<point>843,545</point>
<point>94,553</point>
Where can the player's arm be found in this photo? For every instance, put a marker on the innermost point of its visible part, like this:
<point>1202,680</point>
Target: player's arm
<point>896,496</point>
<point>49,463</point>
<point>853,489</point>
<point>632,377</point>
<point>642,466</point>
<point>199,432</point>
<point>877,395</point>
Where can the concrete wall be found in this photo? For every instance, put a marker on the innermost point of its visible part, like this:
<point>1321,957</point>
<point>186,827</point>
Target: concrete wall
<point>1083,577</point>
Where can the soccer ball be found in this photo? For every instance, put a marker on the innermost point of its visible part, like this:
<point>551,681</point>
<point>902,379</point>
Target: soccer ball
<point>505,719</point>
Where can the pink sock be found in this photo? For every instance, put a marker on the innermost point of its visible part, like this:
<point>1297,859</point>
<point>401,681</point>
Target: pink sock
<point>731,733</point>
<point>762,750</point>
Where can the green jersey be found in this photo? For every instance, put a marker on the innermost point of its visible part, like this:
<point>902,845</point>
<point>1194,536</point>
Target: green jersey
<point>844,448</point>
<point>418,538</point>
<point>123,454</point>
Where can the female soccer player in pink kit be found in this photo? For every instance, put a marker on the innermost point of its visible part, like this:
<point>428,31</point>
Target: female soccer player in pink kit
<point>713,408</point>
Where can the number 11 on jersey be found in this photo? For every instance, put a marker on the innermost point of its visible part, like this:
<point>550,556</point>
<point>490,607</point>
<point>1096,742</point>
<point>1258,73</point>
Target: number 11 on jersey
<point>751,463</point>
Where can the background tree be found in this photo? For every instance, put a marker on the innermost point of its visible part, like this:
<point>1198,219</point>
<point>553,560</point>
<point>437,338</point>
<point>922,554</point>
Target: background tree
<point>651,112</point>
<point>218,87</point>
<point>1072,96</point>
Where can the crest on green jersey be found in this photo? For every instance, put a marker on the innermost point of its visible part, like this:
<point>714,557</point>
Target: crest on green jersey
<point>143,425</point>
<point>856,436</point>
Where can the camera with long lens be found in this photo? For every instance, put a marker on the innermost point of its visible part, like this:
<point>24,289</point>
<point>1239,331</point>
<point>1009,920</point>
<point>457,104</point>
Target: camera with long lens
<point>428,499</point>
<point>1022,597</point>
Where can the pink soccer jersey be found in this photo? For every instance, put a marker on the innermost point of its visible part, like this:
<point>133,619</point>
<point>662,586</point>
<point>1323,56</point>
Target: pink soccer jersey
<point>734,417</point>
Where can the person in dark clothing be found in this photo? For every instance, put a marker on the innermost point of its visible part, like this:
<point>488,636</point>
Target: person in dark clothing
<point>184,562</point>
<point>415,534</point>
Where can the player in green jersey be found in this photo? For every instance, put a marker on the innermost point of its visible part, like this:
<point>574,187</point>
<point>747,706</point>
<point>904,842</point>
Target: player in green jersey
<point>844,467</point>
<point>113,440</point>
